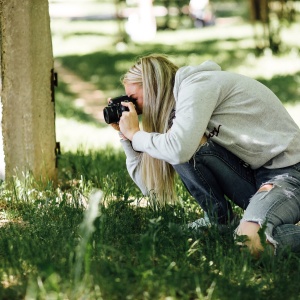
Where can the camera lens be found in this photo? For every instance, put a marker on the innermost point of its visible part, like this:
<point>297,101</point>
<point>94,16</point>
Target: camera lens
<point>106,115</point>
<point>111,115</point>
<point>113,112</point>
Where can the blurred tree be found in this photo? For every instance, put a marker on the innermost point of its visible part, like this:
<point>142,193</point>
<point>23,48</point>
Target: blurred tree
<point>174,9</point>
<point>268,17</point>
<point>119,6</point>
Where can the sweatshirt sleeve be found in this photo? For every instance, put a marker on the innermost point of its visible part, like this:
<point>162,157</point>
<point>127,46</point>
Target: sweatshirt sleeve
<point>133,159</point>
<point>196,99</point>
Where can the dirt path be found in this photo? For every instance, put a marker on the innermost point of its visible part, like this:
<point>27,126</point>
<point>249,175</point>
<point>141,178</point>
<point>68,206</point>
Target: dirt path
<point>88,96</point>
<point>91,100</point>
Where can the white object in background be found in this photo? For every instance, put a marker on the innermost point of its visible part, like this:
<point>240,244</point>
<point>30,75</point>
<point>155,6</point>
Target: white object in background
<point>141,25</point>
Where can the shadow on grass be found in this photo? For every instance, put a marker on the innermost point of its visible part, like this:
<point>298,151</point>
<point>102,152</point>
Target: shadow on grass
<point>104,68</point>
<point>286,87</point>
<point>65,107</point>
<point>84,33</point>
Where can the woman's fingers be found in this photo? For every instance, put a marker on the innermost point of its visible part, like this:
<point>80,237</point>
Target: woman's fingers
<point>129,122</point>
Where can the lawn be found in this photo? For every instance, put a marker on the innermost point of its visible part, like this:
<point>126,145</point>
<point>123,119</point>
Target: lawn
<point>94,236</point>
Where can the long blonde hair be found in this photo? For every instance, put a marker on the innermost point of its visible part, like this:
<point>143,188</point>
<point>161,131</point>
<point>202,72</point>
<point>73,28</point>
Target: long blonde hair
<point>156,74</point>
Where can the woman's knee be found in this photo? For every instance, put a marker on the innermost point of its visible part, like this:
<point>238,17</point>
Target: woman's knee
<point>249,231</point>
<point>248,228</point>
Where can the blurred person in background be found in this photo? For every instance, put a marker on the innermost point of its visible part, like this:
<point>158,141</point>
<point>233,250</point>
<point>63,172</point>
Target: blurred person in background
<point>201,12</point>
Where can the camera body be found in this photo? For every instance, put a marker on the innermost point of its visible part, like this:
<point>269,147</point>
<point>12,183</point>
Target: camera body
<point>113,112</point>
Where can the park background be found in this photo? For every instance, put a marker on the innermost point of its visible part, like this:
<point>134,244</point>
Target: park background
<point>92,49</point>
<point>94,236</point>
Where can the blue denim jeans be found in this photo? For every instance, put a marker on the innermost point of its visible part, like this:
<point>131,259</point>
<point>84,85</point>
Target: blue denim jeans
<point>214,175</point>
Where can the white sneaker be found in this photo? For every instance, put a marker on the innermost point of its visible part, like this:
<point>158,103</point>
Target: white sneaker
<point>200,223</point>
<point>204,222</point>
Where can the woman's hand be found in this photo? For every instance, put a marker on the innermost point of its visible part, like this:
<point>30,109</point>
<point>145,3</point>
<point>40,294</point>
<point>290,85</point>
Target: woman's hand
<point>115,126</point>
<point>129,122</point>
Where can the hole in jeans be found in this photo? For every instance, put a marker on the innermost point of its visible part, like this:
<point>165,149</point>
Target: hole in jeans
<point>266,187</point>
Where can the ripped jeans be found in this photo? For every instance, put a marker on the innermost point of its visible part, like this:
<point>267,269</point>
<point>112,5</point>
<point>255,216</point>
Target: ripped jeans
<point>214,174</point>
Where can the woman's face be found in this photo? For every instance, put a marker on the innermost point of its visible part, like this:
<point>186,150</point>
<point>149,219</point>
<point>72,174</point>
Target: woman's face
<point>135,91</point>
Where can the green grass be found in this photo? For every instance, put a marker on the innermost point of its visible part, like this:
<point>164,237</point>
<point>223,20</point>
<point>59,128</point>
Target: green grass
<point>53,247</point>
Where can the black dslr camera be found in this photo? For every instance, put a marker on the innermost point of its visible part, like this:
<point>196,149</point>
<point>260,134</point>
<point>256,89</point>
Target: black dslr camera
<point>113,112</point>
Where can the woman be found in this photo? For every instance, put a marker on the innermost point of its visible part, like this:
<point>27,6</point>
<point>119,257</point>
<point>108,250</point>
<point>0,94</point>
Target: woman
<point>226,135</point>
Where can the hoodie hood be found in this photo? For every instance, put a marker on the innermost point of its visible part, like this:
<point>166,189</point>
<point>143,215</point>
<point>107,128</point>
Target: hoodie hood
<point>187,71</point>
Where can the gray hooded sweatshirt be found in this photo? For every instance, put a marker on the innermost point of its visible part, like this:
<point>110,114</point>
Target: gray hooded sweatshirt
<point>233,110</point>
